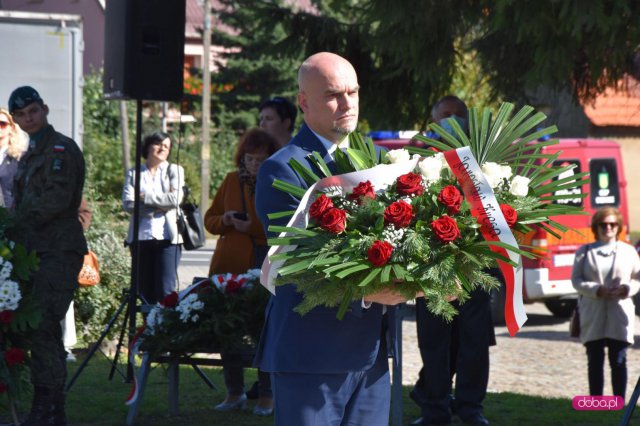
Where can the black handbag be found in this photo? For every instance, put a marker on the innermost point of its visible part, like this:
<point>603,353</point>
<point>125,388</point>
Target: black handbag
<point>190,223</point>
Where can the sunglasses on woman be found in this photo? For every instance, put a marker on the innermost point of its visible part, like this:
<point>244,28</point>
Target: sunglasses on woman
<point>605,225</point>
<point>3,124</point>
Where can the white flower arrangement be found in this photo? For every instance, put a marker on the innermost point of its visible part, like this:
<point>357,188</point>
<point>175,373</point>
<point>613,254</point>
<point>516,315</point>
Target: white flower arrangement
<point>519,186</point>
<point>10,294</point>
<point>496,173</point>
<point>398,156</point>
<point>188,305</point>
<point>431,167</point>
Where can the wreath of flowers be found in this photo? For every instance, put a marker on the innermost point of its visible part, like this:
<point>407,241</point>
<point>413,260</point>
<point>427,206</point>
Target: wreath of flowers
<point>222,313</point>
<point>19,314</point>
<point>418,234</point>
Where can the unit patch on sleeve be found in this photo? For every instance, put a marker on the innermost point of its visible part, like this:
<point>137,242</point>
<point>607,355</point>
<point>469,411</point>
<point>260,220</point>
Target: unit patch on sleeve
<point>57,164</point>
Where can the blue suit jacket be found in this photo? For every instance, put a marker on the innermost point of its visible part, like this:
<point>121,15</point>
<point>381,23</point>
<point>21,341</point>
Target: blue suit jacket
<point>317,342</point>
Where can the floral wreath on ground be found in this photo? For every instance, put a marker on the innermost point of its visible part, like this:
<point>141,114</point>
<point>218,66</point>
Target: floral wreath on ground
<point>428,224</point>
<point>222,313</point>
<point>19,314</point>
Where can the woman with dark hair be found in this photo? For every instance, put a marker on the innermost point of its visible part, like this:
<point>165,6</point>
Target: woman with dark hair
<point>278,117</point>
<point>161,186</point>
<point>242,245</point>
<point>605,274</point>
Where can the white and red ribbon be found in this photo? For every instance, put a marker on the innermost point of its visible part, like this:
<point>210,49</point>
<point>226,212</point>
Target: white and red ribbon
<point>486,209</point>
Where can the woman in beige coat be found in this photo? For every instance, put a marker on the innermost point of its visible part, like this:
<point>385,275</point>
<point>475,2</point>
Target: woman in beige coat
<point>605,274</point>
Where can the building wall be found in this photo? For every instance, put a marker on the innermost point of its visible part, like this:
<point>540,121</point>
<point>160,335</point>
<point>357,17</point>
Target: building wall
<point>92,20</point>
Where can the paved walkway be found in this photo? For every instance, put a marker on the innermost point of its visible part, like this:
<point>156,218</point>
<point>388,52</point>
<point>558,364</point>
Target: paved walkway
<point>541,360</point>
<point>195,263</point>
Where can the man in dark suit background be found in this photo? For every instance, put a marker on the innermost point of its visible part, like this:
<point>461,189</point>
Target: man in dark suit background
<point>460,347</point>
<point>325,371</point>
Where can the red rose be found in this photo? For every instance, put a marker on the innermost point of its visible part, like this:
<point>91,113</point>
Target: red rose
<point>3,387</point>
<point>379,253</point>
<point>334,220</point>
<point>510,214</point>
<point>170,300</point>
<point>6,317</point>
<point>363,190</point>
<point>409,184</point>
<point>14,356</point>
<point>320,207</point>
<point>233,286</point>
<point>399,214</point>
<point>446,229</point>
<point>451,198</point>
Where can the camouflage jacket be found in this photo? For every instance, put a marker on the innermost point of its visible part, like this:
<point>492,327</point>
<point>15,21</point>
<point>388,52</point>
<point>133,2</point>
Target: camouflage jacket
<point>48,190</point>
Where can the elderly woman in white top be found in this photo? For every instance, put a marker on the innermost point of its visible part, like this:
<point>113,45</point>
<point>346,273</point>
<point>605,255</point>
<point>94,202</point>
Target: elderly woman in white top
<point>161,191</point>
<point>605,274</point>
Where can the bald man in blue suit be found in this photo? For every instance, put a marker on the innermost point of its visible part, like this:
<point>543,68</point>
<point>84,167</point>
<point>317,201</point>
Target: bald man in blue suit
<point>325,371</point>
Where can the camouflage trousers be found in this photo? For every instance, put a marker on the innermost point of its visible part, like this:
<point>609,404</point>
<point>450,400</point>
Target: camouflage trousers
<point>54,285</point>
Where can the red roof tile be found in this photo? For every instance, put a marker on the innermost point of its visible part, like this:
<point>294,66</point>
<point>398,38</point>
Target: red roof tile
<point>618,106</point>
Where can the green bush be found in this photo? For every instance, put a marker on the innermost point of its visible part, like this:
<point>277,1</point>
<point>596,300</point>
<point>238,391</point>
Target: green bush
<point>95,305</point>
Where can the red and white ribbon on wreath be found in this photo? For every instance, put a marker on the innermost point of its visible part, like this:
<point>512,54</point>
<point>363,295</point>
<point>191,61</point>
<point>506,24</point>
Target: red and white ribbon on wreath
<point>486,209</point>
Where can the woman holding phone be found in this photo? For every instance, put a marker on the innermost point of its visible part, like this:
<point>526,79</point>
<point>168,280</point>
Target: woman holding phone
<point>241,246</point>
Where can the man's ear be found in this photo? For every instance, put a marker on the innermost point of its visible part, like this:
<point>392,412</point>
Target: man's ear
<point>45,107</point>
<point>302,101</point>
<point>287,123</point>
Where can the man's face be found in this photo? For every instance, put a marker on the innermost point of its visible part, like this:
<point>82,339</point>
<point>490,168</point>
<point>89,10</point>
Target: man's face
<point>31,118</point>
<point>447,109</point>
<point>329,100</point>
<point>271,123</point>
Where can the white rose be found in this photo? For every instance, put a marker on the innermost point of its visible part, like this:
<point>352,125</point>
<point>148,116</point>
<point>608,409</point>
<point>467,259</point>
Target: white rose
<point>519,186</point>
<point>506,172</point>
<point>443,160</point>
<point>495,173</point>
<point>398,156</point>
<point>430,168</point>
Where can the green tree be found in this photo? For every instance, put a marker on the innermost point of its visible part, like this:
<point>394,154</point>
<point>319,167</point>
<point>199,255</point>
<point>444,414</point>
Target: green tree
<point>407,54</point>
<point>250,69</point>
<point>587,46</point>
<point>102,139</point>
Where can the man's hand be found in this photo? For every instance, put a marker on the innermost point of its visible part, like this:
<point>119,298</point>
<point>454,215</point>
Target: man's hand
<point>388,297</point>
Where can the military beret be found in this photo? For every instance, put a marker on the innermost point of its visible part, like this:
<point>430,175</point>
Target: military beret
<point>22,97</point>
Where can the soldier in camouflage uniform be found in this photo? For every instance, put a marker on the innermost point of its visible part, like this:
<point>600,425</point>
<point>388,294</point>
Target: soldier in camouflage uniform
<point>48,190</point>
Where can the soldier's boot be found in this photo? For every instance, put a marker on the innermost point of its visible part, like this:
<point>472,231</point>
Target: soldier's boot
<point>41,408</point>
<point>58,412</point>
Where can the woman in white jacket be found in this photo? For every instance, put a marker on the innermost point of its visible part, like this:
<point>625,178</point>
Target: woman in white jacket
<point>161,191</point>
<point>605,274</point>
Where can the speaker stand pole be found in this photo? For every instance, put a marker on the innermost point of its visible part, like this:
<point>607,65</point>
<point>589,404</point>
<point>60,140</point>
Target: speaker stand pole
<point>135,257</point>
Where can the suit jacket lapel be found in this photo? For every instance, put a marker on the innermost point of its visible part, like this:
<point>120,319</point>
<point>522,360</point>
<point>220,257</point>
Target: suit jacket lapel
<point>307,140</point>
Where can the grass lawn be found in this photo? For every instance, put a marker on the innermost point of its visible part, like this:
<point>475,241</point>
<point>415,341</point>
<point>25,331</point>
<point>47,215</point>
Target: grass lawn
<point>95,400</point>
